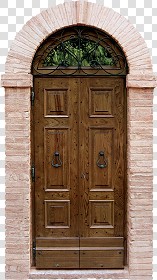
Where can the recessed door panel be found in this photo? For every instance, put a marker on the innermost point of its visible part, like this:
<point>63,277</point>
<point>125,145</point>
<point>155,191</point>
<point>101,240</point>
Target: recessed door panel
<point>100,102</point>
<point>57,213</point>
<point>55,102</point>
<point>101,153</point>
<point>101,213</point>
<point>79,157</point>
<point>56,158</point>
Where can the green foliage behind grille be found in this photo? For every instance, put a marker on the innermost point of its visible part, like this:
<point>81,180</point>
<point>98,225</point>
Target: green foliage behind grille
<point>78,53</point>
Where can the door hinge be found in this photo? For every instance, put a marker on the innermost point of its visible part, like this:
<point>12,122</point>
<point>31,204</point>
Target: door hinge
<point>32,97</point>
<point>33,173</point>
<point>34,249</point>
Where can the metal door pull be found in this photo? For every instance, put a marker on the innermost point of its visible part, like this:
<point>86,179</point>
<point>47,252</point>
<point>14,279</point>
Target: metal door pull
<point>102,161</point>
<point>56,162</point>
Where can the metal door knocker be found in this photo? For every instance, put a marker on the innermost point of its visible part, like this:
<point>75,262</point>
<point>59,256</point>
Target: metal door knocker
<point>102,161</point>
<point>56,162</point>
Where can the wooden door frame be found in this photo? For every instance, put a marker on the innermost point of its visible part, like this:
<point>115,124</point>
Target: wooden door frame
<point>18,82</point>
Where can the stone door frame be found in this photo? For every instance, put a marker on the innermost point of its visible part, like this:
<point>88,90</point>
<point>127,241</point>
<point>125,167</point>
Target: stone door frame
<point>18,82</point>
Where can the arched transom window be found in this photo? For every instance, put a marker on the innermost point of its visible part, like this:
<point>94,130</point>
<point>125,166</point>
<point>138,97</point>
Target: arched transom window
<point>79,50</point>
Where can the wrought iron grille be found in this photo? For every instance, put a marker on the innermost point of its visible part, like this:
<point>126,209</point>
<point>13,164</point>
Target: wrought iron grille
<point>79,50</point>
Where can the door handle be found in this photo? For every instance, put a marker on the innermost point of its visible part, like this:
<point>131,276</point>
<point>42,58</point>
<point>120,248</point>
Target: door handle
<point>102,161</point>
<point>56,162</point>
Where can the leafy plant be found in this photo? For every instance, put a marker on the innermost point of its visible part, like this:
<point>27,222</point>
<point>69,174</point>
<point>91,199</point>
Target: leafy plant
<point>78,52</point>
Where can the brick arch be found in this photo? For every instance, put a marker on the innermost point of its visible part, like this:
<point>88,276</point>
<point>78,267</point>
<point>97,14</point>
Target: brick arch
<point>37,29</point>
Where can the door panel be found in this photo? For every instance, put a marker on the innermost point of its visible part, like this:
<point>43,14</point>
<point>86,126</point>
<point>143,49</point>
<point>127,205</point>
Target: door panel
<point>56,139</point>
<point>100,139</point>
<point>101,101</point>
<point>56,182</point>
<point>102,147</point>
<point>56,102</point>
<point>80,172</point>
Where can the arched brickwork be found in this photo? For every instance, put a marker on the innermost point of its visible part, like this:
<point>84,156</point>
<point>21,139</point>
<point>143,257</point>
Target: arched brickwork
<point>70,13</point>
<point>18,81</point>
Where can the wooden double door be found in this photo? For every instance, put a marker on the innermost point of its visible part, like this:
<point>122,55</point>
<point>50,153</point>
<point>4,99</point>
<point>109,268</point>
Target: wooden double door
<point>79,154</point>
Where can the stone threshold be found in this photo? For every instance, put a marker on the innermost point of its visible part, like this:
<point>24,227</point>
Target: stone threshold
<point>80,274</point>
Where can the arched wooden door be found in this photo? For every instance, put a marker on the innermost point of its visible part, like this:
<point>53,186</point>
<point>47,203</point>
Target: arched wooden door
<point>79,158</point>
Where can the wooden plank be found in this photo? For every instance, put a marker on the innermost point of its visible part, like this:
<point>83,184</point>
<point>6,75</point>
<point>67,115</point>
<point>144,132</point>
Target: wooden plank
<point>57,259</point>
<point>101,242</point>
<point>101,259</point>
<point>57,242</point>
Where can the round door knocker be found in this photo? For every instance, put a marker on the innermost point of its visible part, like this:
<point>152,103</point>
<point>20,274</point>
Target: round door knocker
<point>102,161</point>
<point>56,162</point>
